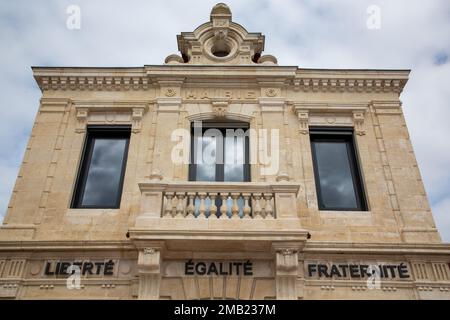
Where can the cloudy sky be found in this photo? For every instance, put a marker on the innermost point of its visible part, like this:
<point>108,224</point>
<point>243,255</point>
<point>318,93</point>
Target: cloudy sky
<point>311,34</point>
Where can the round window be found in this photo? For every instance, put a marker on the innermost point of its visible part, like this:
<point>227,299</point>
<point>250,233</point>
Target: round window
<point>220,49</point>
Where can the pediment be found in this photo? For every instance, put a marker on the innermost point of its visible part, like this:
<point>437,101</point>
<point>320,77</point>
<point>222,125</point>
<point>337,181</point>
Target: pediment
<point>221,41</point>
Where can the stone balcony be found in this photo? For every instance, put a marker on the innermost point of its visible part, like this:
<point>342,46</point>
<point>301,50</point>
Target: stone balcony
<point>217,211</point>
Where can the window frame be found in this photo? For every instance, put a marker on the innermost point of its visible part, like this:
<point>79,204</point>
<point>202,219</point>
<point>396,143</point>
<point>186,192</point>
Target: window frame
<point>220,168</point>
<point>339,134</point>
<point>93,132</point>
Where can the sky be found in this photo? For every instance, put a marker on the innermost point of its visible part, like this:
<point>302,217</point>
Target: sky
<point>401,34</point>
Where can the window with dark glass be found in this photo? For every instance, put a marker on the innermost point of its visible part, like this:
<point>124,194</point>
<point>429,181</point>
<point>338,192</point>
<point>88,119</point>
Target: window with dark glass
<point>219,152</point>
<point>338,178</point>
<point>100,178</point>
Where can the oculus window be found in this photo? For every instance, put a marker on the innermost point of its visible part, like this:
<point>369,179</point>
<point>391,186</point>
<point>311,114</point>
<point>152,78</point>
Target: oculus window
<point>338,178</point>
<point>100,177</point>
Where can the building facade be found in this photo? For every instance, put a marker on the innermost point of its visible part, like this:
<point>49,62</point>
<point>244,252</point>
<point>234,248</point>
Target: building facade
<point>127,190</point>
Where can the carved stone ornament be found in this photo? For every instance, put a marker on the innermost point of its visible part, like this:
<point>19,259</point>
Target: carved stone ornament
<point>271,92</point>
<point>220,108</point>
<point>170,92</point>
<point>358,120</point>
<point>149,260</point>
<point>99,112</point>
<point>287,261</point>
<point>136,117</point>
<point>82,115</point>
<point>303,120</point>
<point>220,41</point>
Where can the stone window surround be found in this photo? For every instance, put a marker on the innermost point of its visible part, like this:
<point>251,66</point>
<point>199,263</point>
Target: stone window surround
<point>331,114</point>
<point>110,113</point>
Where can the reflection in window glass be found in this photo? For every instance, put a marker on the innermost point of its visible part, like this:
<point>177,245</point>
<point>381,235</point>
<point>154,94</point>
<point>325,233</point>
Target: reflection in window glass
<point>104,173</point>
<point>100,179</point>
<point>234,158</point>
<point>206,159</point>
<point>219,152</point>
<point>335,177</point>
<point>338,182</point>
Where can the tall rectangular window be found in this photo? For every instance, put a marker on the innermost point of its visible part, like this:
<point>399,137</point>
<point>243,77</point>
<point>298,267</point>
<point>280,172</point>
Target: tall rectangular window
<point>338,179</point>
<point>100,178</point>
<point>219,152</point>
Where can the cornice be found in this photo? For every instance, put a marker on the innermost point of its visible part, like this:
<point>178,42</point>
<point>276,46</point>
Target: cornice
<point>311,247</point>
<point>325,106</point>
<point>65,245</point>
<point>219,235</point>
<point>323,80</point>
<point>99,79</point>
<point>230,187</point>
<point>111,104</point>
<point>377,248</point>
<point>327,80</point>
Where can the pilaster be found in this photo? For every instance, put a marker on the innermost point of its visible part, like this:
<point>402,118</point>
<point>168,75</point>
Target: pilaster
<point>149,269</point>
<point>286,269</point>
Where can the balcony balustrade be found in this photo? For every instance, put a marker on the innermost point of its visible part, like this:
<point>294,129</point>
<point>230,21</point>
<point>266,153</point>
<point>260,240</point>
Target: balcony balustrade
<point>218,210</point>
<point>219,205</point>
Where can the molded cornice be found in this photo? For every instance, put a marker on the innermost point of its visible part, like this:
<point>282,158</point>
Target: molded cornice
<point>323,80</point>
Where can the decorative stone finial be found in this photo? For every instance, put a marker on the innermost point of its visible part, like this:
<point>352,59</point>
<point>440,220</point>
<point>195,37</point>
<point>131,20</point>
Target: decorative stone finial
<point>221,11</point>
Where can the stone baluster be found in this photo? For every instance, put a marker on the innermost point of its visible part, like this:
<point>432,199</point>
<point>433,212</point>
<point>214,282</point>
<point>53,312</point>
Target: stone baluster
<point>223,207</point>
<point>257,206</point>
<point>212,207</point>
<point>202,207</point>
<point>263,206</point>
<point>180,205</point>
<point>268,208</point>
<point>168,208</point>
<point>247,209</point>
<point>190,210</point>
<point>235,206</point>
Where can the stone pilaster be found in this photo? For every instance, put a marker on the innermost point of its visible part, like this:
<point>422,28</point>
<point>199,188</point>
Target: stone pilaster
<point>168,108</point>
<point>149,268</point>
<point>286,269</point>
<point>272,152</point>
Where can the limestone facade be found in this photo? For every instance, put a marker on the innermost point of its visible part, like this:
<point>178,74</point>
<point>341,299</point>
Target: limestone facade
<point>153,247</point>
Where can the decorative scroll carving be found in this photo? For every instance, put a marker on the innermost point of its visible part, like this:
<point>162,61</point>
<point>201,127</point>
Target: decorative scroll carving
<point>330,114</point>
<point>286,261</point>
<point>303,120</point>
<point>82,115</point>
<point>286,269</point>
<point>149,266</point>
<point>358,121</point>
<point>220,108</point>
<point>220,41</point>
<point>109,112</point>
<point>136,118</point>
<point>149,260</point>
